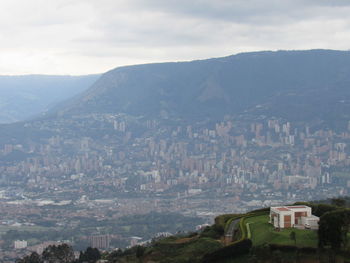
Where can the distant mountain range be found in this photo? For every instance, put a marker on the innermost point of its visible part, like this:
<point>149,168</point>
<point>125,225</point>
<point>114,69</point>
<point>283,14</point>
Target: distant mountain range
<point>297,85</point>
<point>24,97</point>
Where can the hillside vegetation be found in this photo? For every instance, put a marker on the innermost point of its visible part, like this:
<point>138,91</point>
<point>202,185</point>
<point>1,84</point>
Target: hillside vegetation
<point>248,238</point>
<point>290,84</point>
<point>252,239</point>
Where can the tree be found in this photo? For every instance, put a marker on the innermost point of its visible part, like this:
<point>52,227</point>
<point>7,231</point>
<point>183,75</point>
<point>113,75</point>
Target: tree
<point>140,250</point>
<point>115,255</point>
<point>215,231</point>
<point>338,202</point>
<point>293,236</point>
<point>329,232</point>
<point>277,256</point>
<point>91,255</point>
<point>58,254</point>
<point>32,258</point>
<point>333,228</point>
<point>321,209</point>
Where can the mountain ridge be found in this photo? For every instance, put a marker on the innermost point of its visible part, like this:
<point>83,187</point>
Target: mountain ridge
<point>254,81</point>
<point>28,96</point>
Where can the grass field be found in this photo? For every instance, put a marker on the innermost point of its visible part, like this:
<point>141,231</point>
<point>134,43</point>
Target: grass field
<point>262,232</point>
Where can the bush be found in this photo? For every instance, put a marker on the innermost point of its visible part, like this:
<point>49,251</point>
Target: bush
<point>215,231</point>
<point>308,250</point>
<point>321,209</point>
<point>192,234</point>
<point>223,219</point>
<point>284,248</point>
<point>90,255</point>
<point>237,249</point>
<point>265,210</point>
<point>318,209</point>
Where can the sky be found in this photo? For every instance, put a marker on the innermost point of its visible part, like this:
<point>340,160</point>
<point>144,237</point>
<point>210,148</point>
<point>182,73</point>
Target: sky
<point>78,37</point>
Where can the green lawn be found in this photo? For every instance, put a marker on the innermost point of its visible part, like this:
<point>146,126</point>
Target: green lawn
<point>263,232</point>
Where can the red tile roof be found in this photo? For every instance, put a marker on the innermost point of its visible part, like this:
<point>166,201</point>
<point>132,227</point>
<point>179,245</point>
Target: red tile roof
<point>282,209</point>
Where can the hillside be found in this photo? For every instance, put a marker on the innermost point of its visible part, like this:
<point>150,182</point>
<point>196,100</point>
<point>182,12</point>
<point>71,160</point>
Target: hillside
<point>289,84</point>
<point>251,239</point>
<point>240,238</point>
<point>23,97</point>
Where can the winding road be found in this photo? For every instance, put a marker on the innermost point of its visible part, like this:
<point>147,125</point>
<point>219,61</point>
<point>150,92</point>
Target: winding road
<point>231,230</point>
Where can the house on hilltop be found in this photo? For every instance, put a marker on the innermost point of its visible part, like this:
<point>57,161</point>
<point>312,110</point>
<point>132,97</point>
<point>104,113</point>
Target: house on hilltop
<point>293,216</point>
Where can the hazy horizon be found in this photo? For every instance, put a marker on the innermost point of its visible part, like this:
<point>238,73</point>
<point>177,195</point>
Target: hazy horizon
<point>159,62</point>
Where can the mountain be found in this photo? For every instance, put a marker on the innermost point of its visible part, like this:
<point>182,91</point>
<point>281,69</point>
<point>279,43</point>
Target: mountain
<point>23,97</point>
<point>297,85</point>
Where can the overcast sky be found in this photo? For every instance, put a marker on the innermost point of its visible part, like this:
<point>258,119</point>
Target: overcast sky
<point>93,36</point>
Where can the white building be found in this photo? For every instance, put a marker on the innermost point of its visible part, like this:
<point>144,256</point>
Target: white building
<point>293,216</point>
<point>20,244</point>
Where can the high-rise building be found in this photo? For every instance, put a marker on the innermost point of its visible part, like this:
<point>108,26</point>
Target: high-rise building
<point>100,241</point>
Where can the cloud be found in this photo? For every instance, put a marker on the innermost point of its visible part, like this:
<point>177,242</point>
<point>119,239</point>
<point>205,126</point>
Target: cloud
<point>90,36</point>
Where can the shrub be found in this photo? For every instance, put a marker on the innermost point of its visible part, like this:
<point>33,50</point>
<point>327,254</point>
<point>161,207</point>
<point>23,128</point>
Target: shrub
<point>222,219</point>
<point>239,248</point>
<point>215,231</point>
<point>284,248</point>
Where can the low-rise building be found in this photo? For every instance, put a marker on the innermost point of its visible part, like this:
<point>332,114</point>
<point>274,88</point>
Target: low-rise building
<point>293,216</point>
<point>20,244</point>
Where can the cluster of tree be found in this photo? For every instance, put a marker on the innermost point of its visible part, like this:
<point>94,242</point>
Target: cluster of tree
<point>320,209</point>
<point>90,255</point>
<point>334,221</point>
<point>340,202</point>
<point>50,234</point>
<point>62,254</point>
<point>116,255</point>
<point>215,231</point>
<point>228,252</point>
<point>333,229</point>
<point>52,254</point>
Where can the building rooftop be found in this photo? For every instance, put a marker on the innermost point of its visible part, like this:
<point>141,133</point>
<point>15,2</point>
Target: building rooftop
<point>296,207</point>
<point>282,209</point>
<point>289,208</point>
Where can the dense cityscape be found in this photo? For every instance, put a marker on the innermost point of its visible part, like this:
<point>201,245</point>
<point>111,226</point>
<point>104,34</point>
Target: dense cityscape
<point>128,166</point>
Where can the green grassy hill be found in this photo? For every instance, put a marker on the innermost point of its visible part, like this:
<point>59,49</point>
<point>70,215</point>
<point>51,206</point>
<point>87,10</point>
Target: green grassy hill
<point>250,238</point>
<point>263,233</point>
<point>242,238</point>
